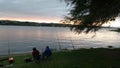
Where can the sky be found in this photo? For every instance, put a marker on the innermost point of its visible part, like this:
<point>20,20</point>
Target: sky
<point>115,23</point>
<point>49,11</point>
<point>33,10</point>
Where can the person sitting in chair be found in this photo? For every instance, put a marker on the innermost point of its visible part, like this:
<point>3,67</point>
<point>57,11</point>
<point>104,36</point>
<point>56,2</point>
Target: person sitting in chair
<point>47,52</point>
<point>36,55</point>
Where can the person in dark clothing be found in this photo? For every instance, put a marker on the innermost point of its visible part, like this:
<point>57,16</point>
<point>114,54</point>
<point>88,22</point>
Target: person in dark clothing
<point>47,52</point>
<point>36,55</point>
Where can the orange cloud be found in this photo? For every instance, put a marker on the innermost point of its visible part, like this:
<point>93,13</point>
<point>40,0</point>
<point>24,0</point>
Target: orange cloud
<point>33,19</point>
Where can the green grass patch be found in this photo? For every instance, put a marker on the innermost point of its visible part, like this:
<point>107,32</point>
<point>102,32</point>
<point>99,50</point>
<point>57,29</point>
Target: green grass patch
<point>82,58</point>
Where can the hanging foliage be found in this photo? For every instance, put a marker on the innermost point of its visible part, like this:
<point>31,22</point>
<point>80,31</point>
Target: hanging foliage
<point>90,15</point>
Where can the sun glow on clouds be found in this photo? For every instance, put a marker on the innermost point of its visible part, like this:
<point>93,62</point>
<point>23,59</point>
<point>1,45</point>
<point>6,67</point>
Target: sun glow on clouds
<point>32,19</point>
<point>33,10</point>
<point>38,11</point>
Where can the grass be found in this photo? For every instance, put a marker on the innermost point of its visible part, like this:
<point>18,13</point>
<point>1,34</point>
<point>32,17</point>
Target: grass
<point>82,58</point>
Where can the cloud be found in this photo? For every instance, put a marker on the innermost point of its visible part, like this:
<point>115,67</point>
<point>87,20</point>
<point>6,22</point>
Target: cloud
<point>32,8</point>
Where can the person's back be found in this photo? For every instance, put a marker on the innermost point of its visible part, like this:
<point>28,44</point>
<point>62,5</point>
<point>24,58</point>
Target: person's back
<point>36,55</point>
<point>47,52</point>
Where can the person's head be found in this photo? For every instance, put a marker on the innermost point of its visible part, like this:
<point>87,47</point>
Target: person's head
<point>47,46</point>
<point>34,49</point>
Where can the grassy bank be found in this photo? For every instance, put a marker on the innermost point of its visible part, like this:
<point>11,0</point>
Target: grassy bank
<point>83,58</point>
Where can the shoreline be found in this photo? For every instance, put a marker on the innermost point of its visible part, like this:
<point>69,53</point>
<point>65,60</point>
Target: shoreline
<point>62,50</point>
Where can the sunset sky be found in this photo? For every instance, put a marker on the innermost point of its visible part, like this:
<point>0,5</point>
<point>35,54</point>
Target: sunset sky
<point>33,10</point>
<point>36,11</point>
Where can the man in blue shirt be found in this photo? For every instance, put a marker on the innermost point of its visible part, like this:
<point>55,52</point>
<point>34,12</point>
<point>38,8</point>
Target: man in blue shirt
<point>47,52</point>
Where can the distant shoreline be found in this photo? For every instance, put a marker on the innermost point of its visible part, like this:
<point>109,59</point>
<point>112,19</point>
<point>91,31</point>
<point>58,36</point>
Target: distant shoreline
<point>19,23</point>
<point>116,30</point>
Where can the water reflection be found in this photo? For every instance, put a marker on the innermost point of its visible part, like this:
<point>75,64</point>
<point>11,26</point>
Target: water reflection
<point>23,38</point>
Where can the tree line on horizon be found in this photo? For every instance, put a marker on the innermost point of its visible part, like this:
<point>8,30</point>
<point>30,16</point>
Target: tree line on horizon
<point>19,23</point>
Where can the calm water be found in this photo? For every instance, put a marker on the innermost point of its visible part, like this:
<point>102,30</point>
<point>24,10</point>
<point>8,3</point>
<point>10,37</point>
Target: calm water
<point>20,39</point>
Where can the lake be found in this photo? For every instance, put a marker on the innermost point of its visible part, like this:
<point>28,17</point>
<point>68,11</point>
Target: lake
<point>21,39</point>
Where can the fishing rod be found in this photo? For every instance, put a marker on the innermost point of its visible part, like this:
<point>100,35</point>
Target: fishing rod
<point>8,43</point>
<point>9,48</point>
<point>58,41</point>
<point>72,43</point>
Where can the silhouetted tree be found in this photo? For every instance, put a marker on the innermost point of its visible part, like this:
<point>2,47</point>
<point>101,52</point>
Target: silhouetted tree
<point>90,15</point>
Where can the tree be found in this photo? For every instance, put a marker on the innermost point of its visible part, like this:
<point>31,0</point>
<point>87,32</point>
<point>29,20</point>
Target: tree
<point>90,15</point>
